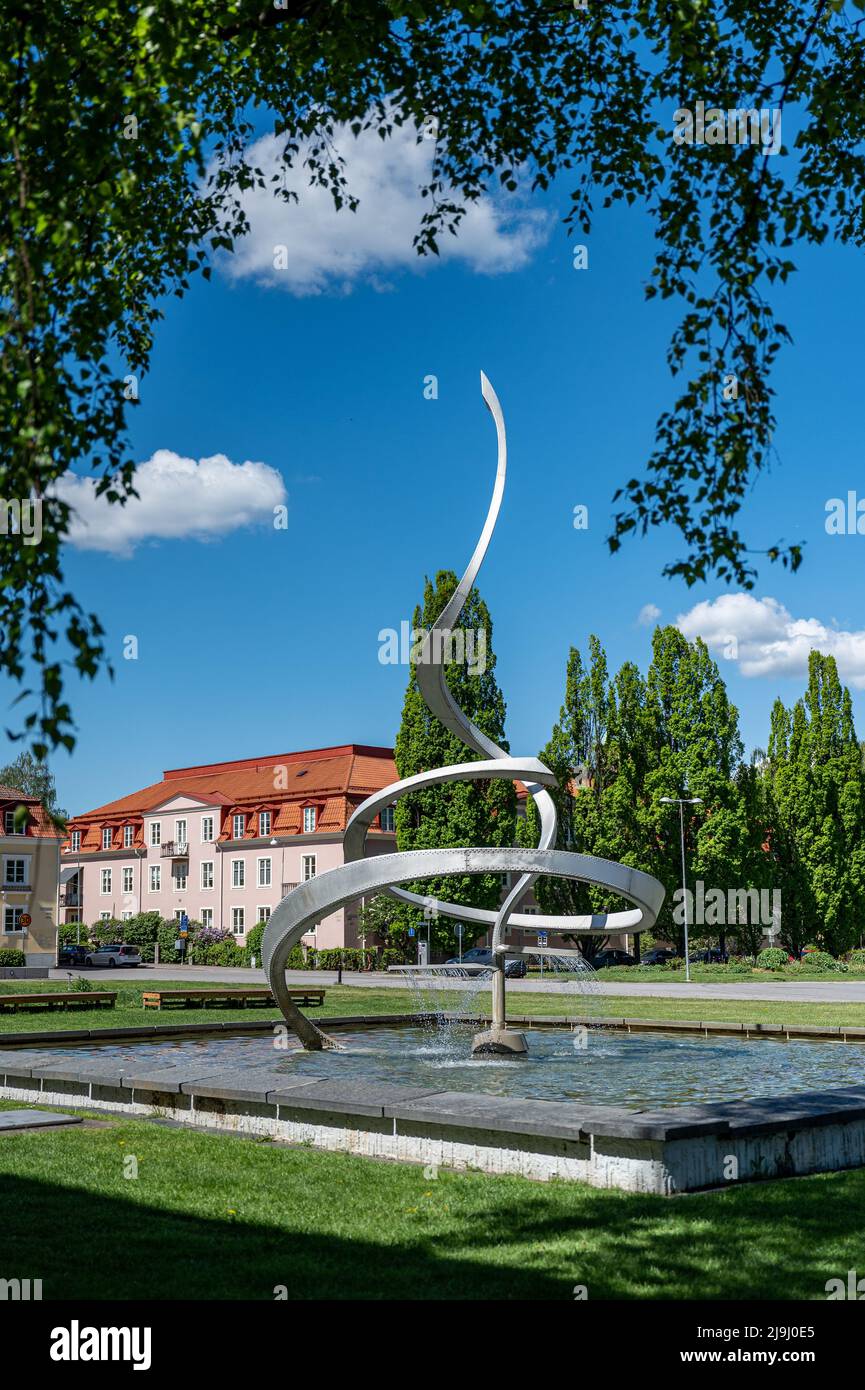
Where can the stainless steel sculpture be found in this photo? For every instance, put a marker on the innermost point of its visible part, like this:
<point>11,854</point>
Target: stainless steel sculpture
<point>311,901</point>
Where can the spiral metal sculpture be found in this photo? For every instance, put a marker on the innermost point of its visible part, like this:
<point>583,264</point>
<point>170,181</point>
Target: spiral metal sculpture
<point>310,901</point>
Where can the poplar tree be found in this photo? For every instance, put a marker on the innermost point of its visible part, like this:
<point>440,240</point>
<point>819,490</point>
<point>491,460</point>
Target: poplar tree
<point>461,813</point>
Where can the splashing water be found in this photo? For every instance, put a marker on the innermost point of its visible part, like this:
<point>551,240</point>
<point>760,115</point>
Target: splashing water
<point>447,996</point>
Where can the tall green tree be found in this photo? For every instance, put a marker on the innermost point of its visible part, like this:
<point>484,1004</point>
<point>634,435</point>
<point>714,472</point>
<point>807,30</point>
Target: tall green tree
<point>462,813</point>
<point>124,161</point>
<point>817,796</point>
<point>34,779</point>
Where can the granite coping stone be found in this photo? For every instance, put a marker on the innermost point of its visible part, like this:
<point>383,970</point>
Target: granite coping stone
<point>376,1098</point>
<point>564,1119</point>
<point>245,1083</point>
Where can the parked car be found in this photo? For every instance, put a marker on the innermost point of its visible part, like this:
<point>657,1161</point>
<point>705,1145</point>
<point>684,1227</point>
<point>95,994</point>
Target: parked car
<point>72,954</point>
<point>114,954</point>
<point>711,956</point>
<point>605,958</point>
<point>659,955</point>
<point>515,966</point>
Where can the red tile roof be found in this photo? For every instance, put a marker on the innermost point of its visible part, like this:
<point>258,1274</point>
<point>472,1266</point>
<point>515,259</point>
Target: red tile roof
<point>332,779</point>
<point>39,825</point>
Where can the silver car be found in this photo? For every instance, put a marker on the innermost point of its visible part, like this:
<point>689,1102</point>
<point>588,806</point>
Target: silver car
<point>112,955</point>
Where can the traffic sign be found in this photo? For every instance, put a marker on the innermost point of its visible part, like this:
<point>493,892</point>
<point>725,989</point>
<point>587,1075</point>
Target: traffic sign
<point>25,919</point>
<point>542,938</point>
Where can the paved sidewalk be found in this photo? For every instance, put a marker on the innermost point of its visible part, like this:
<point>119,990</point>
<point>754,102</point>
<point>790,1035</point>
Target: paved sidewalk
<point>812,991</point>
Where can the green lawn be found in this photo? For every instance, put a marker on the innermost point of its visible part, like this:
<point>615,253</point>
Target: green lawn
<point>216,1217</point>
<point>342,1000</point>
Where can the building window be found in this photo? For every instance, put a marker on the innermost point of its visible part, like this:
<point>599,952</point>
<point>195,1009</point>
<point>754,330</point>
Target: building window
<point>9,822</point>
<point>206,829</point>
<point>308,820</point>
<point>264,873</point>
<point>308,870</point>
<point>206,916</point>
<point>238,873</point>
<point>388,821</point>
<point>12,919</point>
<point>264,914</point>
<point>180,876</point>
<point>180,832</point>
<point>16,872</point>
<point>207,873</point>
<point>105,881</point>
<point>156,832</point>
<point>125,916</point>
<point>128,836</point>
<point>106,839</point>
<point>127,880</point>
<point>105,916</point>
<point>76,840</point>
<point>238,825</point>
<point>155,877</point>
<point>237,916</point>
<point>264,822</point>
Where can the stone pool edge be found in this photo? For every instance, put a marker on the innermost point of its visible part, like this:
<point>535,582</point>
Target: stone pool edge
<point>683,1149</point>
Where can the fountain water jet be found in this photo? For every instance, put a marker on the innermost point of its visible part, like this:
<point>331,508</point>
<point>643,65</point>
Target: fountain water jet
<point>311,901</point>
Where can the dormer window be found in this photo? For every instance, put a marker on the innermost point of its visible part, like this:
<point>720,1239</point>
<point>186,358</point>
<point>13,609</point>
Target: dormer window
<point>264,822</point>
<point>128,836</point>
<point>106,839</point>
<point>308,820</point>
<point>238,825</point>
<point>76,841</point>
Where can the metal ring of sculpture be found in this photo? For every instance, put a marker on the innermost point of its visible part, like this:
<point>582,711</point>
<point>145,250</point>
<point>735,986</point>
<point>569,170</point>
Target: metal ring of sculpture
<point>382,873</point>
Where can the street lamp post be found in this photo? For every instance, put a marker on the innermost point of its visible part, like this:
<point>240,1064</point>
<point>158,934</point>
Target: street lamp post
<point>682,802</point>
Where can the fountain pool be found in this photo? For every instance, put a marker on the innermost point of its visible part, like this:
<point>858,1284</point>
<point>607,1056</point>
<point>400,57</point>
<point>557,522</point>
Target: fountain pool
<point>600,1067</point>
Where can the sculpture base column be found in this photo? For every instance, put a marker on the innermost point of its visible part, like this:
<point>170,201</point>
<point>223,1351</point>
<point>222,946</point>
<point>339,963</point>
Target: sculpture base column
<point>499,1042</point>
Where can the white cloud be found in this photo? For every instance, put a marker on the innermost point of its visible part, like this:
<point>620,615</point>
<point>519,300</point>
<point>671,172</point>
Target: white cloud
<point>648,614</point>
<point>330,249</point>
<point>766,640</point>
<point>178,498</point>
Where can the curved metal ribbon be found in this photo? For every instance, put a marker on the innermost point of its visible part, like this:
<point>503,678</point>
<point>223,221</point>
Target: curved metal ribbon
<point>311,901</point>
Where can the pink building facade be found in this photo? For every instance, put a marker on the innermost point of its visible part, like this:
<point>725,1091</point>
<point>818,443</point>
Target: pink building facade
<point>224,842</point>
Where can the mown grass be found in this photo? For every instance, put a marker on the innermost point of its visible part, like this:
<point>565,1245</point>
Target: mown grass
<point>214,1217</point>
<point>344,1000</point>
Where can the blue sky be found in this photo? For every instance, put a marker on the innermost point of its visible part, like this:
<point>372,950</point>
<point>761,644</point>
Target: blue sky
<point>258,640</point>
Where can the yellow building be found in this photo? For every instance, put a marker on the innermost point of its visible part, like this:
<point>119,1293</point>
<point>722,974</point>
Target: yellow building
<point>29,877</point>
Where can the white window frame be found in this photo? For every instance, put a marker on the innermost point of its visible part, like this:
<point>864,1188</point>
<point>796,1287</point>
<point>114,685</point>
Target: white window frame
<point>180,881</point>
<point>388,814</point>
<point>128,836</point>
<point>126,916</point>
<point>264,913</point>
<point>309,820</point>
<point>104,877</point>
<point>207,916</point>
<point>76,840</point>
<point>9,823</point>
<point>13,881</point>
<point>105,916</point>
<point>307,868</point>
<point>178,838</point>
<point>238,816</point>
<point>106,837</point>
<point>265,820</point>
<point>207,830</point>
<point>207,864</point>
<point>156,832</point>
<point>238,879</point>
<point>154,879</point>
<point>260,880</point>
<point>238,921</point>
<point>128,877</point>
<point>12,914</point>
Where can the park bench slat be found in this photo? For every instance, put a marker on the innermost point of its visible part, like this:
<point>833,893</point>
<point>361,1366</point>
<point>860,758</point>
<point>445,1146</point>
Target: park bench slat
<point>154,999</point>
<point>56,999</point>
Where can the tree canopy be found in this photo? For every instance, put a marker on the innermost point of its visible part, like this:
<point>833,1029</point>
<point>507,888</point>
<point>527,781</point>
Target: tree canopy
<point>123,160</point>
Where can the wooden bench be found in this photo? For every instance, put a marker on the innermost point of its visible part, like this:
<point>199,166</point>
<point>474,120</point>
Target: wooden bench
<point>85,999</point>
<point>193,998</point>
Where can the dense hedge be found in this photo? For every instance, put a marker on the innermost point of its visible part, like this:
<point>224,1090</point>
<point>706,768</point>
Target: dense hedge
<point>11,957</point>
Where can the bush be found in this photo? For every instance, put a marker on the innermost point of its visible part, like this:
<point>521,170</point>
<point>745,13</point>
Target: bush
<point>81,985</point>
<point>857,957</point>
<point>677,963</point>
<point>821,960</point>
<point>11,957</point>
<point>773,958</point>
